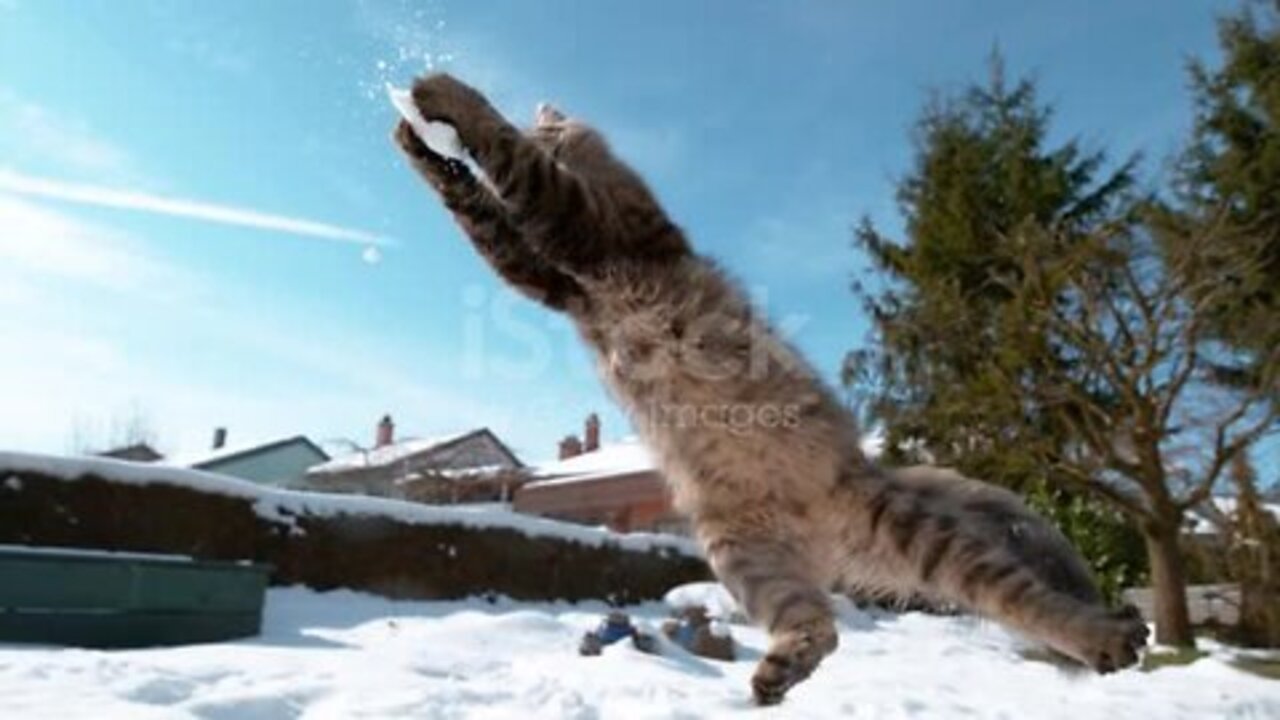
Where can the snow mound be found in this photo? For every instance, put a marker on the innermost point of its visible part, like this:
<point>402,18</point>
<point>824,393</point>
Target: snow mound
<point>346,655</point>
<point>711,595</point>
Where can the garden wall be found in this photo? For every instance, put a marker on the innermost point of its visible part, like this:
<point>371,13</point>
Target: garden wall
<point>392,548</point>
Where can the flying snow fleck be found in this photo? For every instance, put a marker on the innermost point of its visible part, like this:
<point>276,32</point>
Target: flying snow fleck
<point>414,42</point>
<point>371,255</point>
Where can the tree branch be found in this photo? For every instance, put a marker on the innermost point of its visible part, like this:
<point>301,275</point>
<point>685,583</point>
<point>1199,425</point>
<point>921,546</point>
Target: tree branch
<point>1224,451</point>
<point>1095,485</point>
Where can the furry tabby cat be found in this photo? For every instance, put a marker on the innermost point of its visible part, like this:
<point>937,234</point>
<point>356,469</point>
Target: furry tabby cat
<point>758,452</point>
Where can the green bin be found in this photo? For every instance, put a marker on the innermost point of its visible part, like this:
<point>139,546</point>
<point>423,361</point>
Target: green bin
<point>88,598</point>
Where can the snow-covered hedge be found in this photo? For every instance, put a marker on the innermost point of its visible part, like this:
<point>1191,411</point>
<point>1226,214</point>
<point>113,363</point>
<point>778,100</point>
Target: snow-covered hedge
<point>328,541</point>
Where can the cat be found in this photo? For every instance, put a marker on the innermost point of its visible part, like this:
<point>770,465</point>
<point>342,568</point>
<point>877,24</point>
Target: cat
<point>757,450</point>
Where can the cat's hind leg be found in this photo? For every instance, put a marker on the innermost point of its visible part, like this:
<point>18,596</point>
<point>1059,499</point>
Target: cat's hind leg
<point>767,578</point>
<point>1103,639</point>
<point>980,547</point>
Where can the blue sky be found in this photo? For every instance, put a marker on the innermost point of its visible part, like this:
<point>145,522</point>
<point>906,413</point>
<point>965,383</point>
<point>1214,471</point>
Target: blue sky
<point>767,128</point>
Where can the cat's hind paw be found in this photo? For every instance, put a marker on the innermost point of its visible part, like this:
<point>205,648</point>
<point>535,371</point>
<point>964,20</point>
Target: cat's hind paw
<point>792,657</point>
<point>1113,640</point>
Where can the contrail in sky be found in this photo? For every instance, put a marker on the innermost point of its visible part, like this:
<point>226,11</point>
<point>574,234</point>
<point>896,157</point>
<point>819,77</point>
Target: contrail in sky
<point>197,210</point>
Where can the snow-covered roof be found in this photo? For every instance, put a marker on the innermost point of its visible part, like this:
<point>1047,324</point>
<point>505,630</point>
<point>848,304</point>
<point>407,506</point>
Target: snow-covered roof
<point>872,443</point>
<point>204,458</point>
<point>622,458</point>
<point>388,454</point>
<point>630,456</point>
<point>285,506</point>
<point>1202,518</point>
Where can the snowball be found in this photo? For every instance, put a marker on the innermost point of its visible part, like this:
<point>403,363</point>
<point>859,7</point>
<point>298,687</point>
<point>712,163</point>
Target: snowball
<point>441,138</point>
<point>713,596</point>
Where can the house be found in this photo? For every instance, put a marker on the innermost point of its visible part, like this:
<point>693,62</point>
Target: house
<point>615,485</point>
<point>1205,521</point>
<point>472,466</point>
<point>1206,604</point>
<point>280,463</point>
<point>137,452</point>
<point>1216,601</point>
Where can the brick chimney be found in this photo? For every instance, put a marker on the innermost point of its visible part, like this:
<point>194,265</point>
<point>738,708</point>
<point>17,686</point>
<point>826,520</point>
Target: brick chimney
<point>591,434</point>
<point>386,433</point>
<point>570,446</point>
<point>219,438</point>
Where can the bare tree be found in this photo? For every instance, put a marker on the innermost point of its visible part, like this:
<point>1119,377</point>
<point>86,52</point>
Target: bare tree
<point>1247,547</point>
<point>1109,342</point>
<point>126,427</point>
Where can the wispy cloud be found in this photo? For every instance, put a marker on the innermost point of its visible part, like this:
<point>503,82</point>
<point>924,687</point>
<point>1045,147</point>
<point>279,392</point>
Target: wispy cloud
<point>38,243</point>
<point>211,55</point>
<point>92,320</point>
<point>22,184</point>
<point>34,132</point>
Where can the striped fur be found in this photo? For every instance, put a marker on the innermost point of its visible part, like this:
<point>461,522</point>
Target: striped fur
<point>759,453</point>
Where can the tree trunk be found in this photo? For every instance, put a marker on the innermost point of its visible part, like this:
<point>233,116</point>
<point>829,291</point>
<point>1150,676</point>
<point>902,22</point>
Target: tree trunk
<point>1259,615</point>
<point>1168,585</point>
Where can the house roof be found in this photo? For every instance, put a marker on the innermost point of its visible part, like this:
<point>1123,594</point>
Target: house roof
<point>210,458</point>
<point>478,472</point>
<point>1202,518</point>
<point>138,452</point>
<point>407,448</point>
<point>626,457</point>
<point>629,456</point>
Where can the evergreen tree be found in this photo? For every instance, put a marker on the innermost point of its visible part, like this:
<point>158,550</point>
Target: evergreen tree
<point>1032,332</point>
<point>983,167</point>
<point>1229,191</point>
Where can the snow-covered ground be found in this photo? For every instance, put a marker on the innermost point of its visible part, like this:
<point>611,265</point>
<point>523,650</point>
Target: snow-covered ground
<point>345,655</point>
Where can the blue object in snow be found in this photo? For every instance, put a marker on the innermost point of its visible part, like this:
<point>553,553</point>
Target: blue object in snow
<point>685,634</point>
<point>614,629</point>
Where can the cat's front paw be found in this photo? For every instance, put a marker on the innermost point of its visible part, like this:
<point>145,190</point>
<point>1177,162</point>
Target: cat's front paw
<point>440,171</point>
<point>444,98</point>
<point>410,144</point>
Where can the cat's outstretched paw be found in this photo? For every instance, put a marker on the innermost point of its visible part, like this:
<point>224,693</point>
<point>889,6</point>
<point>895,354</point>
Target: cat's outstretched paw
<point>443,98</point>
<point>436,168</point>
<point>410,143</point>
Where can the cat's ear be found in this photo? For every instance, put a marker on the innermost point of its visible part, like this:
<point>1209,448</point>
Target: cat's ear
<point>547,115</point>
